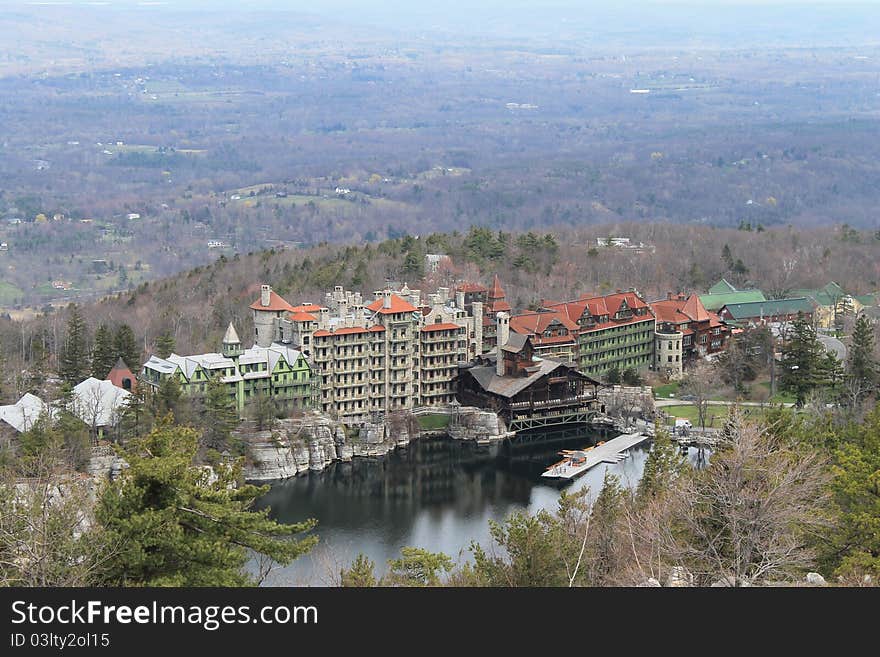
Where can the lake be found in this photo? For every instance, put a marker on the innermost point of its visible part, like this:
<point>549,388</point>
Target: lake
<point>438,494</point>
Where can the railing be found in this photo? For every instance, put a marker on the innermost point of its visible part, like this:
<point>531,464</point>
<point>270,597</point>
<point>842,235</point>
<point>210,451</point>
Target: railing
<point>550,403</point>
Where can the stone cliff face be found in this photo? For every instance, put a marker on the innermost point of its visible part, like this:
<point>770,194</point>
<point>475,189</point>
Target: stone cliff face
<point>476,424</point>
<point>312,443</point>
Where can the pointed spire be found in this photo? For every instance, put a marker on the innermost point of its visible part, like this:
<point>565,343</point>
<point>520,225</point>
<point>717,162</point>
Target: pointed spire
<point>497,291</point>
<point>231,336</point>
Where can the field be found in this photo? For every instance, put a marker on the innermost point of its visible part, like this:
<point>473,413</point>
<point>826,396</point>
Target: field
<point>433,422</point>
<point>9,294</point>
<point>715,416</point>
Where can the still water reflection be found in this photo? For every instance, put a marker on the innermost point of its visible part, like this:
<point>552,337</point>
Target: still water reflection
<point>437,494</point>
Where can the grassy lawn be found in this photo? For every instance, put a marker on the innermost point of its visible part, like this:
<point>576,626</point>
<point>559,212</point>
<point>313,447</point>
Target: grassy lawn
<point>779,397</point>
<point>433,422</point>
<point>663,392</point>
<point>715,415</point>
<point>9,293</point>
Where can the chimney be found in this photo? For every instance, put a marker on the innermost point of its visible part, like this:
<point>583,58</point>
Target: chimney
<point>670,296</point>
<point>358,310</point>
<point>502,321</point>
<point>324,318</point>
<point>437,305</point>
<point>386,299</point>
<point>459,299</point>
<point>342,305</point>
<point>444,293</point>
<point>265,295</point>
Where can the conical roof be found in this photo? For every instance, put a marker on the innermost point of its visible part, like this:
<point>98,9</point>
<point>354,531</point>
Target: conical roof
<point>497,292</point>
<point>231,336</point>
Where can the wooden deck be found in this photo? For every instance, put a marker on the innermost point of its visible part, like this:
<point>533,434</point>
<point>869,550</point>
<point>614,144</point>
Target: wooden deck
<point>611,452</point>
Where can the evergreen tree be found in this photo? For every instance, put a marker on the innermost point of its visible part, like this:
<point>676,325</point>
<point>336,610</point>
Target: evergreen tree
<point>604,531</point>
<point>75,354</point>
<point>220,416</point>
<point>853,548</point>
<point>177,527</point>
<point>103,353</point>
<point>418,567</point>
<point>612,376</point>
<point>663,465</point>
<point>168,398</point>
<point>165,346</point>
<point>802,360</point>
<point>362,573</point>
<point>125,345</point>
<point>631,377</point>
<point>861,364</point>
<point>136,417</point>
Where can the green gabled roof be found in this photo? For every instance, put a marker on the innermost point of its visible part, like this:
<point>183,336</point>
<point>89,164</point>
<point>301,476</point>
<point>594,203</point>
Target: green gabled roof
<point>722,287</point>
<point>867,299</point>
<point>770,307</point>
<point>827,295</point>
<point>714,302</point>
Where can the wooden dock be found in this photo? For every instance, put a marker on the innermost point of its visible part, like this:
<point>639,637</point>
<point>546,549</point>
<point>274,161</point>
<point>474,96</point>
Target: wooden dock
<point>612,451</point>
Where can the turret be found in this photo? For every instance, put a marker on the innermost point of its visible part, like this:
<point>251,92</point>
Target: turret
<point>231,343</point>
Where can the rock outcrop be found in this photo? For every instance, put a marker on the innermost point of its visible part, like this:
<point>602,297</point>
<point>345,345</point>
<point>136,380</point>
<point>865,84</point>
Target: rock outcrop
<point>476,424</point>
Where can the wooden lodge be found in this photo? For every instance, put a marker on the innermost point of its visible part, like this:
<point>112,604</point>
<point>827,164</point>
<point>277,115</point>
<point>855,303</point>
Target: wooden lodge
<point>526,391</point>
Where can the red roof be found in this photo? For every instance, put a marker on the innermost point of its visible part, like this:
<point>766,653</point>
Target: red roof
<point>302,317</point>
<point>670,311</point>
<point>537,322</point>
<point>597,306</point>
<point>348,331</point>
<point>306,308</point>
<point>120,373</point>
<point>470,287</point>
<point>497,291</point>
<point>695,309</point>
<point>398,305</point>
<point>441,327</point>
<point>499,306</point>
<point>276,303</point>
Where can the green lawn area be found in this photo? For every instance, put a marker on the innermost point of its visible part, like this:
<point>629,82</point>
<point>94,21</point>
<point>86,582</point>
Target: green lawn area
<point>433,422</point>
<point>662,392</point>
<point>9,293</point>
<point>779,397</point>
<point>715,415</point>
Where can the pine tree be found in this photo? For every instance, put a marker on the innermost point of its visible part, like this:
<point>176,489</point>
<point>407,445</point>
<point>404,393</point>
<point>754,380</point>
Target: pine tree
<point>604,531</point>
<point>802,360</point>
<point>165,346</point>
<point>75,354</point>
<point>103,353</point>
<point>861,364</point>
<point>125,345</point>
<point>662,466</point>
<point>854,546</point>
<point>136,417</point>
<point>361,574</point>
<point>219,418</point>
<point>177,527</point>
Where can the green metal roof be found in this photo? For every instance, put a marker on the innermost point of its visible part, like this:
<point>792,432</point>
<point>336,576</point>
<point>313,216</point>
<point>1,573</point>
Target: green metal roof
<point>714,302</point>
<point>722,287</point>
<point>867,299</point>
<point>827,295</point>
<point>770,307</point>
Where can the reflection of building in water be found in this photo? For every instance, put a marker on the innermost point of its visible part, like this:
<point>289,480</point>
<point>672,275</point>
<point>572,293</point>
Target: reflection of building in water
<point>431,473</point>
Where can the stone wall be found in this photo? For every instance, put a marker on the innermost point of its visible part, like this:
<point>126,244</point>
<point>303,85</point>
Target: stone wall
<point>627,403</point>
<point>476,424</point>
